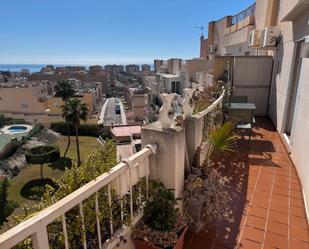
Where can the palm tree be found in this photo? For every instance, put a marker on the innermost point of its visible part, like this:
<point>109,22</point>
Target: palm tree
<point>64,89</point>
<point>2,118</point>
<point>73,112</point>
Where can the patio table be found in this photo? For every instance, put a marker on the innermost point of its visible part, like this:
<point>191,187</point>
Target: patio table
<point>242,106</point>
<point>242,112</point>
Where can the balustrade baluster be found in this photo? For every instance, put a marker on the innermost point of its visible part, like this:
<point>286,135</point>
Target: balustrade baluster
<point>83,225</point>
<point>97,212</point>
<point>65,232</point>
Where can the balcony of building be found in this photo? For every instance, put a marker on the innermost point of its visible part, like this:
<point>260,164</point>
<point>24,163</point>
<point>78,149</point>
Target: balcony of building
<point>268,207</point>
<point>239,27</point>
<point>269,210</point>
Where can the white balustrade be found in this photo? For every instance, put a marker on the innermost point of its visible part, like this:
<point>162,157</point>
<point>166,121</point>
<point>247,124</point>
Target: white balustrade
<point>195,126</point>
<point>36,226</point>
<point>187,103</point>
<point>121,179</point>
<point>210,108</point>
<point>166,115</point>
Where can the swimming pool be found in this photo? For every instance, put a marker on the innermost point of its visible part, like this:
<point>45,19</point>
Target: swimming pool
<point>7,133</point>
<point>17,129</point>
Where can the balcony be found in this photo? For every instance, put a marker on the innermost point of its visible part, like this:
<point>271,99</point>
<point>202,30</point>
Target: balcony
<point>240,26</point>
<point>268,204</point>
<point>238,37</point>
<point>270,211</point>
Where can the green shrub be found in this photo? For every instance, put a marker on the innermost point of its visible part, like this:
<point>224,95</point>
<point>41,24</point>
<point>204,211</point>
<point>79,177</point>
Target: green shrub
<point>97,163</point>
<point>35,130</point>
<point>162,223</point>
<point>83,130</point>
<point>42,154</point>
<point>35,189</point>
<point>9,149</point>
<point>11,121</point>
<point>6,206</point>
<point>160,212</point>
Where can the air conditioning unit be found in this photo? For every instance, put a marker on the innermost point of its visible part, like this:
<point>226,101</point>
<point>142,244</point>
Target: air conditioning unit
<point>270,37</point>
<point>212,49</point>
<point>255,39</point>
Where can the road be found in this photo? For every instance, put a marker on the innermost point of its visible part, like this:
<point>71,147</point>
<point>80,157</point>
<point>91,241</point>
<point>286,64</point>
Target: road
<point>108,115</point>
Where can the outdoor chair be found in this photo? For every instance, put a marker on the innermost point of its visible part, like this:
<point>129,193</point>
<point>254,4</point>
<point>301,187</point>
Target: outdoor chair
<point>240,99</point>
<point>244,120</point>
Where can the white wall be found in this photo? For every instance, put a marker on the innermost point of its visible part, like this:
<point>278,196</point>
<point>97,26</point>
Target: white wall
<point>300,135</point>
<point>292,31</point>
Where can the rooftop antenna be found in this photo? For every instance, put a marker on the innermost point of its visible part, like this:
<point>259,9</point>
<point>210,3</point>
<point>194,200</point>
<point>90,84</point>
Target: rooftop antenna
<point>201,28</point>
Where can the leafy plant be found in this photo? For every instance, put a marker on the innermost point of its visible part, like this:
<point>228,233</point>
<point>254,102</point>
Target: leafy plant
<point>222,139</point>
<point>6,206</point>
<point>99,162</point>
<point>83,130</point>
<point>162,223</point>
<point>159,211</point>
<point>41,155</point>
<point>206,197</point>
<point>204,99</point>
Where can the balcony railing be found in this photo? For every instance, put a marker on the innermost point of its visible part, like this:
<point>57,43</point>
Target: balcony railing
<point>198,126</point>
<point>123,180</point>
<point>250,11</point>
<point>122,177</point>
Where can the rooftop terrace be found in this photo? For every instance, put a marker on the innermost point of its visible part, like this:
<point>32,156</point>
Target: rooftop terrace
<point>270,211</point>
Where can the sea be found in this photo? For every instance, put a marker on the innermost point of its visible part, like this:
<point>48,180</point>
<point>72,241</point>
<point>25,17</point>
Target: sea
<point>33,68</point>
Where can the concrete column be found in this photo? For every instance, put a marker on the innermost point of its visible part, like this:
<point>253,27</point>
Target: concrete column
<point>168,164</point>
<point>194,135</point>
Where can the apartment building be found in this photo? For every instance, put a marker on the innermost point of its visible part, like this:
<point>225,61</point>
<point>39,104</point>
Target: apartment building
<point>279,29</point>
<point>23,99</point>
<point>35,101</point>
<point>173,75</point>
<point>114,69</point>
<point>157,65</point>
<point>137,100</point>
<point>53,104</point>
<point>132,68</point>
<point>146,68</point>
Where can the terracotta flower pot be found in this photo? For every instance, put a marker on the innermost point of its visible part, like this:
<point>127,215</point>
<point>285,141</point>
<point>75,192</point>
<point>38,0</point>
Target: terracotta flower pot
<point>139,244</point>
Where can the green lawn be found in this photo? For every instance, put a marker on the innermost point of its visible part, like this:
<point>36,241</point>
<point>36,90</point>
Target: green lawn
<point>31,172</point>
<point>87,145</point>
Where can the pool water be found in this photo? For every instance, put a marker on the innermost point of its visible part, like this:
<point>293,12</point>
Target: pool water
<point>17,129</point>
<point>13,131</point>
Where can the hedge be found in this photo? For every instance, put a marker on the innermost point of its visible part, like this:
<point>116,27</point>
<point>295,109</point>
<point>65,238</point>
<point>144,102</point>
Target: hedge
<point>92,130</point>
<point>42,154</point>
<point>35,130</point>
<point>11,121</point>
<point>10,148</point>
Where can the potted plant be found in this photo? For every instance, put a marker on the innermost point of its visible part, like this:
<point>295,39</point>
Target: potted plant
<point>162,225</point>
<point>206,195</point>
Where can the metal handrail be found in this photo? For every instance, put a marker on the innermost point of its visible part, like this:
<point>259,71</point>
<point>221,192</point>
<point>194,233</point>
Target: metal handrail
<point>250,11</point>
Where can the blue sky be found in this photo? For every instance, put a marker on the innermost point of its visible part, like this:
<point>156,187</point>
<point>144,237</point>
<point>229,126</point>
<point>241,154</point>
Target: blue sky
<point>101,31</point>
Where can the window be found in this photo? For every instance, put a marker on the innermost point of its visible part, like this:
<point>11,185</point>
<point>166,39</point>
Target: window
<point>175,87</point>
<point>24,105</point>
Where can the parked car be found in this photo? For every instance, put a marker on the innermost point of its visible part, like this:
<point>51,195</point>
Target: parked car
<point>117,109</point>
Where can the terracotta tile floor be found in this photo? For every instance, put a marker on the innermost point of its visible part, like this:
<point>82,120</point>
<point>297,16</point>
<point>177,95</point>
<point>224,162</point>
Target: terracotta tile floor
<point>269,210</point>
